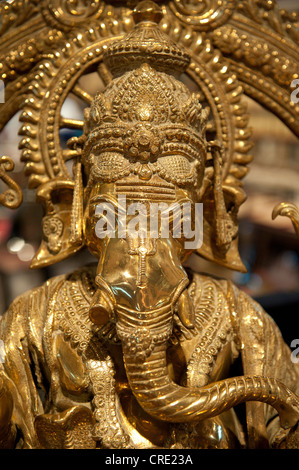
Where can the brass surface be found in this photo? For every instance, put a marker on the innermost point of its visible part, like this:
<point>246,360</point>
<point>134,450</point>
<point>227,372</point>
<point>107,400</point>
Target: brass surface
<point>12,197</point>
<point>288,209</point>
<point>135,352</point>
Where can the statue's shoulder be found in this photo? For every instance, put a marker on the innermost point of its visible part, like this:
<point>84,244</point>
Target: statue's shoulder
<point>206,285</point>
<point>28,311</point>
<point>241,309</point>
<point>32,307</point>
<point>221,306</point>
<point>237,298</point>
<point>205,279</point>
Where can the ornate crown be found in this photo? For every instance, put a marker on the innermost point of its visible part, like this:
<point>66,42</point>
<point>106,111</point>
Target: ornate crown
<point>146,111</point>
<point>143,114</point>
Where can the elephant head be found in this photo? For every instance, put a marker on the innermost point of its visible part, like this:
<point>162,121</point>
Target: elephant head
<point>144,144</point>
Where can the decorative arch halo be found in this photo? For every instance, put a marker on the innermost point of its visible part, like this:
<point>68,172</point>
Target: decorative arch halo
<point>58,76</point>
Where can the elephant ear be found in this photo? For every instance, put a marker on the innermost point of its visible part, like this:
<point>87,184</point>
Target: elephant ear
<point>220,220</point>
<point>61,224</point>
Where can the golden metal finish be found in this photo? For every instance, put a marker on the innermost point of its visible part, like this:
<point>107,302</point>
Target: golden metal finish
<point>134,352</point>
<point>12,197</point>
<point>288,210</point>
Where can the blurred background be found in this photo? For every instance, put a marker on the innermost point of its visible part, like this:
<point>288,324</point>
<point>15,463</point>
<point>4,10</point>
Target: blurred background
<point>270,249</point>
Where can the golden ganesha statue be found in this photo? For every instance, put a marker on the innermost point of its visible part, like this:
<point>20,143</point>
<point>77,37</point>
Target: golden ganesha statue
<point>136,351</point>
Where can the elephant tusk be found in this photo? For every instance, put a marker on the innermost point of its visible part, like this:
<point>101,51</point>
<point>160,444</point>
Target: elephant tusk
<point>185,310</point>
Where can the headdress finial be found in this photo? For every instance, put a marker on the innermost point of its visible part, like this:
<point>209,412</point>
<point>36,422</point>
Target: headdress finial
<point>146,43</point>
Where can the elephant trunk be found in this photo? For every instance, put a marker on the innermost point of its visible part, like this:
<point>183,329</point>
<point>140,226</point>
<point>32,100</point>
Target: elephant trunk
<point>146,368</point>
<point>141,282</point>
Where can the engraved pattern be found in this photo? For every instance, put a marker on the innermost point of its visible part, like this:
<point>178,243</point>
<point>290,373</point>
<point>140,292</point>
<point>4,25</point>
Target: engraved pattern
<point>72,313</point>
<point>145,115</point>
<point>212,327</point>
<point>143,109</point>
<point>53,229</point>
<point>66,14</point>
<point>216,333</point>
<point>110,166</point>
<point>176,168</point>
<point>254,53</point>
<point>204,14</point>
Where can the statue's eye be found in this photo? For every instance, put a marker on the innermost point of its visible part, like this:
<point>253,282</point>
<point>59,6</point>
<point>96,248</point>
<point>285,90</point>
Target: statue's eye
<point>177,165</point>
<point>110,166</point>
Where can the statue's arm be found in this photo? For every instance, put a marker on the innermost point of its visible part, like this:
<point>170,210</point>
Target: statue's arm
<point>7,428</point>
<point>19,398</point>
<point>265,353</point>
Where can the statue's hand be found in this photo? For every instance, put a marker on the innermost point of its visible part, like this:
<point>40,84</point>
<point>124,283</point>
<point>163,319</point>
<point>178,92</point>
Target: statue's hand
<point>6,409</point>
<point>286,438</point>
<point>292,439</point>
